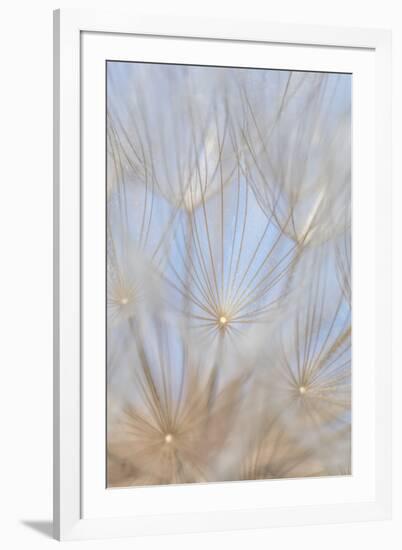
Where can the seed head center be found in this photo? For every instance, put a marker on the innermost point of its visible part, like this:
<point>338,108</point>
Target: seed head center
<point>302,389</point>
<point>168,438</point>
<point>223,320</point>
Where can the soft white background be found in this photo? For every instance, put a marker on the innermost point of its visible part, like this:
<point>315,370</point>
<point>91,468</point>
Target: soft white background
<point>26,271</point>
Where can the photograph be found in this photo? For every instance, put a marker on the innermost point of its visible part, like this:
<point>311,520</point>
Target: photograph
<point>228,274</point>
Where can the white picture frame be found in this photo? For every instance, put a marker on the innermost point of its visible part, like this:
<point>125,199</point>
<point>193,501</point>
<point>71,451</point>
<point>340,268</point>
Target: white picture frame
<point>83,508</point>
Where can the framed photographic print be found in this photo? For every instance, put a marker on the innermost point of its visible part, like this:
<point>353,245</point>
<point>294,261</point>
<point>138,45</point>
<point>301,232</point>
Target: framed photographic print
<point>222,275</point>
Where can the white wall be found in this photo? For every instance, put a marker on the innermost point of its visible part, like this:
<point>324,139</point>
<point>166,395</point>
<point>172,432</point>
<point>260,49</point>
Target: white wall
<point>26,269</point>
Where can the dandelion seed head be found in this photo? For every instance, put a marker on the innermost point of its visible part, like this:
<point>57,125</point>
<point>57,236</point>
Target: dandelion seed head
<point>302,390</point>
